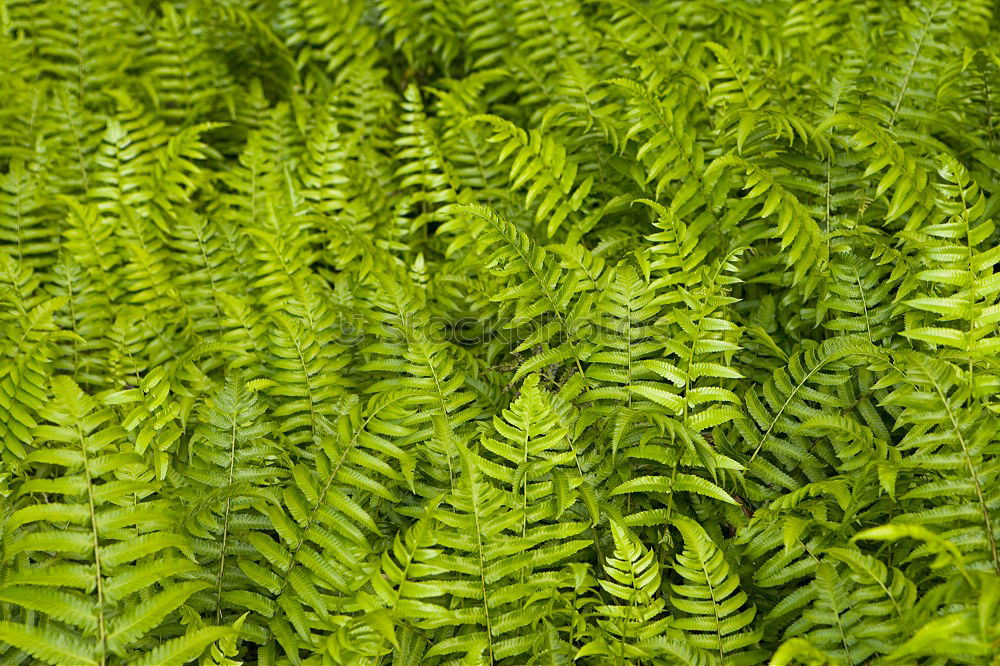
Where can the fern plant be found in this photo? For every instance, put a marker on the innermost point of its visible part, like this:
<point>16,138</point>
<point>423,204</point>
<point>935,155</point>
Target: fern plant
<point>504,332</point>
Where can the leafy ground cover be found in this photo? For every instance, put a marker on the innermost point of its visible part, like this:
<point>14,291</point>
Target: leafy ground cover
<point>426,332</point>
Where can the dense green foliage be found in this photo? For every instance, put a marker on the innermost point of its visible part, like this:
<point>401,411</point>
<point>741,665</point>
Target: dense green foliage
<point>403,332</point>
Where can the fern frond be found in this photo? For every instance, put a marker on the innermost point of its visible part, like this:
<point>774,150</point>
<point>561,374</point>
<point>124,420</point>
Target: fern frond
<point>715,609</point>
